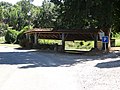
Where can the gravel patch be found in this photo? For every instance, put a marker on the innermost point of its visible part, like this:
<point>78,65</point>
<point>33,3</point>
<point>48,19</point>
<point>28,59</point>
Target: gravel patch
<point>33,70</point>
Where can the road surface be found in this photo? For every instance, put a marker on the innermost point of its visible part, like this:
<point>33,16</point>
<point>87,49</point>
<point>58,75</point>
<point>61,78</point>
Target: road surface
<point>33,70</point>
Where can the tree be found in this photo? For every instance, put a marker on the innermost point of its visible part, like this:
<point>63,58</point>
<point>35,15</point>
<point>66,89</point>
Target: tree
<point>78,14</point>
<point>116,17</point>
<point>4,6</point>
<point>83,14</point>
<point>18,15</point>
<point>47,16</point>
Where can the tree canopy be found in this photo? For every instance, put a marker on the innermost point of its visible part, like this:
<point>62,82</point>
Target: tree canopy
<point>87,13</point>
<point>66,14</point>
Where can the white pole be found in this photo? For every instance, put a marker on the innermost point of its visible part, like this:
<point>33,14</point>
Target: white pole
<point>105,47</point>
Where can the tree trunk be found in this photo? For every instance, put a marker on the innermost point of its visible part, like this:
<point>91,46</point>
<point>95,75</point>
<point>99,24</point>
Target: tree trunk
<point>108,33</point>
<point>95,41</point>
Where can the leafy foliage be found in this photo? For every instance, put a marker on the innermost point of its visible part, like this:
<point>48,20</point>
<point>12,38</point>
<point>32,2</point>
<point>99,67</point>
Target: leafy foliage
<point>116,17</point>
<point>11,36</point>
<point>78,14</point>
<point>21,35</point>
<point>66,14</point>
<point>3,28</point>
<point>47,15</point>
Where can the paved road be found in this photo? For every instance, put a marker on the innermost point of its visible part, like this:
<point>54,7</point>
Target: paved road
<point>32,70</point>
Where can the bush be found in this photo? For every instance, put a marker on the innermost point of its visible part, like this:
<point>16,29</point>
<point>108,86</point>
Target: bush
<point>116,35</point>
<point>11,36</point>
<point>25,43</point>
<point>21,34</point>
<point>3,28</point>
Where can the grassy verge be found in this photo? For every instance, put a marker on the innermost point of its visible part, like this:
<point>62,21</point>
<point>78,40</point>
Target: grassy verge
<point>2,39</point>
<point>117,42</point>
<point>11,45</point>
<point>80,45</point>
<point>70,45</point>
<point>116,36</point>
<point>2,43</point>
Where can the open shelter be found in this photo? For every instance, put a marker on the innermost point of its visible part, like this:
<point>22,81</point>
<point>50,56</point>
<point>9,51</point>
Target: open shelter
<point>65,35</point>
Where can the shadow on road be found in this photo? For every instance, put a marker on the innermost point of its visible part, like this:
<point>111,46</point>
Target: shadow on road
<point>40,59</point>
<point>111,64</point>
<point>33,59</point>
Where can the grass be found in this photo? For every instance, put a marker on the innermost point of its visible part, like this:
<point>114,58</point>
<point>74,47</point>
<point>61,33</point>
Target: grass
<point>79,45</point>
<point>117,42</point>
<point>2,39</point>
<point>46,41</point>
<point>11,45</point>
<point>116,36</point>
<point>2,43</point>
<point>70,45</point>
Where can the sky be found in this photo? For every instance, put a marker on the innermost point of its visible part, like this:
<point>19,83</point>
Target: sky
<point>36,2</point>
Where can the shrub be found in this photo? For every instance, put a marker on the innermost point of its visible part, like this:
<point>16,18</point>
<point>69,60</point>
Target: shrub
<point>3,28</point>
<point>21,34</point>
<point>116,35</point>
<point>11,36</point>
<point>25,43</point>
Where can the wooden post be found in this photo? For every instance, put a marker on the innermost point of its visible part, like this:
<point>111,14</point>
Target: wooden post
<point>63,42</point>
<point>29,37</point>
<point>95,41</point>
<point>35,38</point>
<point>26,36</point>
